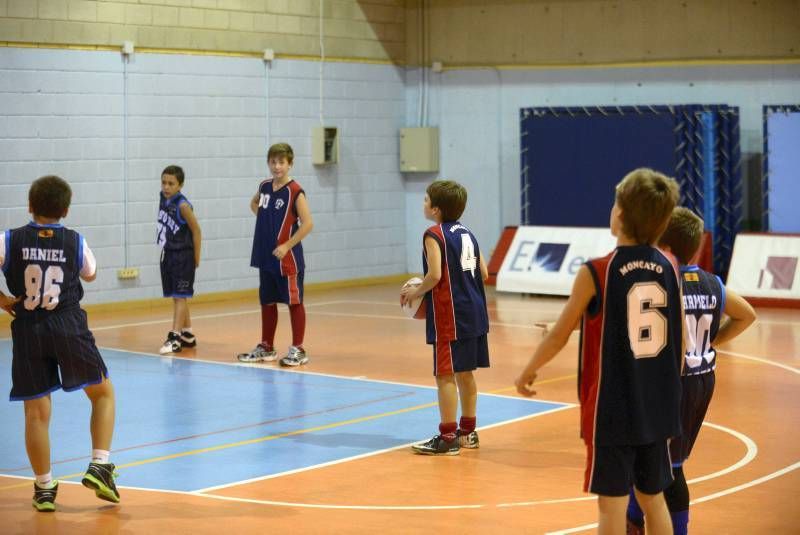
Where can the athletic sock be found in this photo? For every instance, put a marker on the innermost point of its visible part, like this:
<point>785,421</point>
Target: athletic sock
<point>297,315</point>
<point>269,323</point>
<point>448,430</point>
<point>467,424</point>
<point>680,523</point>
<point>45,481</point>
<point>101,456</point>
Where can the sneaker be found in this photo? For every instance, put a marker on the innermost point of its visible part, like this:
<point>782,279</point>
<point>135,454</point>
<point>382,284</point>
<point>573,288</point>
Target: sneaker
<point>469,440</point>
<point>188,339</point>
<point>172,344</point>
<point>437,446</point>
<point>100,477</point>
<point>295,357</point>
<point>260,353</point>
<point>44,500</point>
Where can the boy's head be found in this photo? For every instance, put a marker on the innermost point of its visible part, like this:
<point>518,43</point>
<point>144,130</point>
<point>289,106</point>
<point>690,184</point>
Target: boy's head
<point>645,199</point>
<point>171,180</point>
<point>281,150</point>
<point>683,234</point>
<point>446,200</point>
<point>49,197</point>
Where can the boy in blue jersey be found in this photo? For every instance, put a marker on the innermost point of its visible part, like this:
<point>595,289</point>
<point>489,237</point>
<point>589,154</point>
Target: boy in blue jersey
<point>456,318</point>
<point>53,348</point>
<point>705,301</point>
<point>283,220</point>
<point>630,354</point>
<point>179,237</point>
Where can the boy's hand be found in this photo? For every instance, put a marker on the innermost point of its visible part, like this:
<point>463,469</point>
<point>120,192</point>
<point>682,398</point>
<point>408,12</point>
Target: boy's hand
<point>408,293</point>
<point>7,303</point>
<point>280,251</point>
<point>524,384</point>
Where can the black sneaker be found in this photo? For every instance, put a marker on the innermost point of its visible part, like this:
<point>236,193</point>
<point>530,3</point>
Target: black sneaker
<point>172,344</point>
<point>188,339</point>
<point>468,440</point>
<point>100,477</point>
<point>437,446</point>
<point>44,500</point>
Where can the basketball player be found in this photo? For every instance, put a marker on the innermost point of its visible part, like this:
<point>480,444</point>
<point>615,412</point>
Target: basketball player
<point>630,355</point>
<point>705,301</point>
<point>53,348</point>
<point>283,219</point>
<point>456,317</point>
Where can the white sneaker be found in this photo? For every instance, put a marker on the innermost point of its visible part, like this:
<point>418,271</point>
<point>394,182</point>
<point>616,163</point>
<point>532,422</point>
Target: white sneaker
<point>172,344</point>
<point>260,353</point>
<point>295,357</point>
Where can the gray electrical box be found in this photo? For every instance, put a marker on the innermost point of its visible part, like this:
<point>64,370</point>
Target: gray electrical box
<point>324,145</point>
<point>419,150</point>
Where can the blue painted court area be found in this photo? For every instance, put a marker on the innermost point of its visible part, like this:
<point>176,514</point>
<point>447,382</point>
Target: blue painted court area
<point>187,425</point>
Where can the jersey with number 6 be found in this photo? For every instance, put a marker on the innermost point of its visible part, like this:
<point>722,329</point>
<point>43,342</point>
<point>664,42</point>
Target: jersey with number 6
<point>630,357</point>
<point>42,263</point>
<point>456,308</point>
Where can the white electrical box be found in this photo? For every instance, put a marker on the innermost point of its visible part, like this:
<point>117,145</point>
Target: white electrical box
<point>324,145</point>
<point>419,150</point>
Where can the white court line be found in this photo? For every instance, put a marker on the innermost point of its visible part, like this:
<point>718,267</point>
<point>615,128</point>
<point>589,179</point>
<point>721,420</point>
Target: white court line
<point>750,454</point>
<point>761,360</point>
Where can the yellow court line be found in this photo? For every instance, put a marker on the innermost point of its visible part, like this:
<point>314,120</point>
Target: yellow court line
<point>281,435</point>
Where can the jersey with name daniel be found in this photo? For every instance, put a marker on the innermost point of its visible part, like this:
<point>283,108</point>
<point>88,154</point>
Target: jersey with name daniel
<point>276,222</point>
<point>42,264</point>
<point>630,356</point>
<point>173,232</point>
<point>703,306</point>
<point>456,307</point>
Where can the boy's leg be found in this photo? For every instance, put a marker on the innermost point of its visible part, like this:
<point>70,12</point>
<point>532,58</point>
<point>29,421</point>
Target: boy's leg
<point>292,294</point>
<point>656,515</point>
<point>611,514</point>
<point>297,315</point>
<point>677,498</point>
<point>37,433</point>
<point>100,474</point>
<point>468,395</point>
<point>180,312</point>
<point>446,442</point>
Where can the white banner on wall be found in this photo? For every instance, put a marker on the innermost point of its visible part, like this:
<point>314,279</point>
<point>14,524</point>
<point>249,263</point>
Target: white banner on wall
<point>765,265</point>
<point>544,260</point>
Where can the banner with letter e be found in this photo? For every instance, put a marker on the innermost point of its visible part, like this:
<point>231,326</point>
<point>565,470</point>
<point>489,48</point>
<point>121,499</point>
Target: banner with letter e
<point>765,269</point>
<point>544,260</point>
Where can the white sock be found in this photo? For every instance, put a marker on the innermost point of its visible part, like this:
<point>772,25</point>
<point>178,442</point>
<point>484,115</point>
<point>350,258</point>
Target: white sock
<point>100,456</point>
<point>45,481</point>
<point>187,330</point>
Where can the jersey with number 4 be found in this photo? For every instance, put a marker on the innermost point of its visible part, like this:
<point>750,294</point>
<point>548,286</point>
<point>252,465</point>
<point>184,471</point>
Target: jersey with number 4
<point>43,263</point>
<point>456,308</point>
<point>703,305</point>
<point>630,356</point>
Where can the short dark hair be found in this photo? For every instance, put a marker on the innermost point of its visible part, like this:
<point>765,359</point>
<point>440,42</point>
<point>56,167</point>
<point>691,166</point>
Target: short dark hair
<point>281,149</point>
<point>449,197</point>
<point>50,196</point>
<point>174,170</point>
<point>646,198</point>
<point>683,234</point>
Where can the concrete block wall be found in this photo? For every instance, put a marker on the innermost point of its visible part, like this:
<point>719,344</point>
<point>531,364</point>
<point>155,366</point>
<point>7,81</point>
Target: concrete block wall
<point>63,112</point>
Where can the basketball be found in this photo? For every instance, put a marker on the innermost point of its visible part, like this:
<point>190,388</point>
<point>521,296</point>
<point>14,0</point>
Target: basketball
<point>414,309</point>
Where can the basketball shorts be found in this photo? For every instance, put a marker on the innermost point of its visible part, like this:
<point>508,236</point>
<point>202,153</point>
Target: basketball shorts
<point>276,288</point>
<point>462,355</point>
<point>177,272</point>
<point>60,342</point>
<point>613,470</point>
<point>696,392</point>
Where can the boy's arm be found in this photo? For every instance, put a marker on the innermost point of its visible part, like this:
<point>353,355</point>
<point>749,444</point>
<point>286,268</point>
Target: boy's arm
<point>740,316</point>
<point>306,224</point>
<point>434,257</point>
<point>254,203</point>
<point>484,269</point>
<point>582,292</point>
<point>88,270</point>
<point>197,236</point>
<point>7,302</point>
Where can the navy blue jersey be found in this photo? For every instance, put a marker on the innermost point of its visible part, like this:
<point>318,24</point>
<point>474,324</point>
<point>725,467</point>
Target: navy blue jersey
<point>43,264</point>
<point>630,356</point>
<point>173,232</point>
<point>276,222</point>
<point>456,306</point>
<point>703,305</point>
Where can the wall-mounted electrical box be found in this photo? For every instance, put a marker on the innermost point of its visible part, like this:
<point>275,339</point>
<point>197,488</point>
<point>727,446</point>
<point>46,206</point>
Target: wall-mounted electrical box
<point>324,145</point>
<point>419,150</point>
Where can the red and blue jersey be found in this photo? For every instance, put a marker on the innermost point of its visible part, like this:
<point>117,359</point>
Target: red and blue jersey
<point>276,222</point>
<point>703,306</point>
<point>630,350</point>
<point>456,306</point>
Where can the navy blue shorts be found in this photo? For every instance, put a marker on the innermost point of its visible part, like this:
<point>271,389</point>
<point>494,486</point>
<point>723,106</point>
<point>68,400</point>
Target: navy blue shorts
<point>58,342</point>
<point>177,272</point>
<point>696,392</point>
<point>613,470</point>
<point>277,288</point>
<point>460,355</point>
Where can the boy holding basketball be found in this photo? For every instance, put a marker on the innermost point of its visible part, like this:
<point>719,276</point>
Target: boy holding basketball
<point>456,318</point>
<point>630,355</point>
<point>705,301</point>
<point>53,348</point>
<point>283,219</point>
